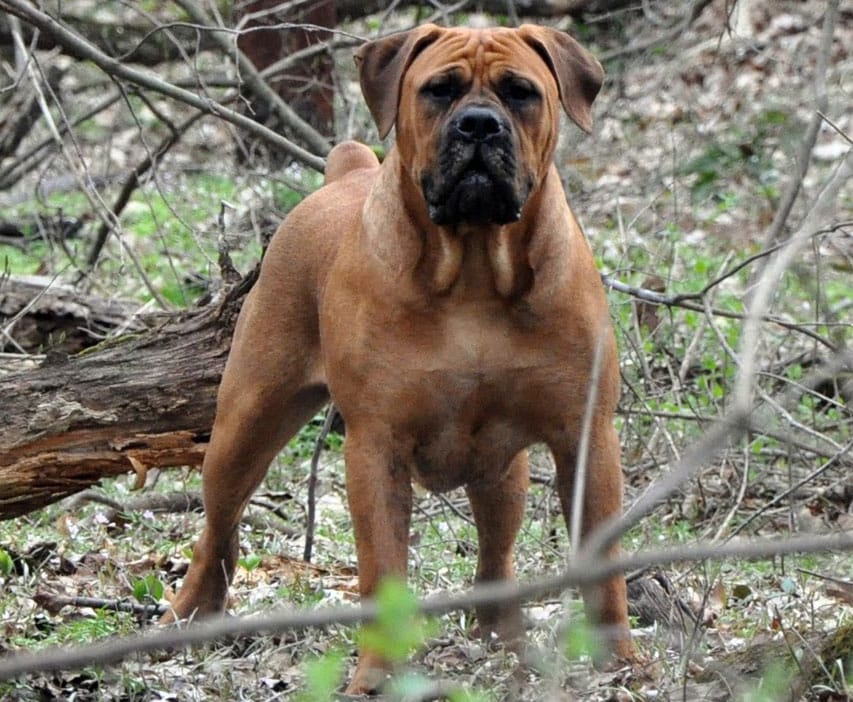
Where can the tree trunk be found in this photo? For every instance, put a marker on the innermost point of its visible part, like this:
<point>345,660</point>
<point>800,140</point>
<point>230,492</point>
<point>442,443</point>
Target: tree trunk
<point>309,86</point>
<point>136,402</point>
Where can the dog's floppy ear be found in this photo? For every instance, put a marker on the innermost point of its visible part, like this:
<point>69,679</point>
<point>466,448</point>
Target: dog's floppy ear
<point>382,63</point>
<point>578,73</point>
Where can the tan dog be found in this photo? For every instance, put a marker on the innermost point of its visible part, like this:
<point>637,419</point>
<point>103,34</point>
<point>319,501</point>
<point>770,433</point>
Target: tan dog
<point>447,302</point>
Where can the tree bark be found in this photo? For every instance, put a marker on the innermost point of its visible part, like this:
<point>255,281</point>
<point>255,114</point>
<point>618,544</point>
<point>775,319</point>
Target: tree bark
<point>309,86</point>
<point>137,402</point>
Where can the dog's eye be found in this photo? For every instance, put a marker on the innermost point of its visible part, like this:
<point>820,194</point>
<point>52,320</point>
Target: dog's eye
<point>441,90</point>
<point>518,92</point>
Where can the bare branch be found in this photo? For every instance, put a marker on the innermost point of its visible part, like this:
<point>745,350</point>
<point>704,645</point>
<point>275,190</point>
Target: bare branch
<point>766,288</point>
<point>736,423</point>
<point>693,12</point>
<point>585,572</point>
<point>114,67</point>
<point>256,82</point>
<point>131,183</point>
<point>821,103</point>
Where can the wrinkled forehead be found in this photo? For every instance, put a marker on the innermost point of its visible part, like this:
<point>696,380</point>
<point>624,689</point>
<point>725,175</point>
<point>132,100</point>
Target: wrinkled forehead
<point>480,53</point>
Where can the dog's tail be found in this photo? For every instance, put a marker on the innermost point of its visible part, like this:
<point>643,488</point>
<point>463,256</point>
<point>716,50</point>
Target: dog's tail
<point>348,156</point>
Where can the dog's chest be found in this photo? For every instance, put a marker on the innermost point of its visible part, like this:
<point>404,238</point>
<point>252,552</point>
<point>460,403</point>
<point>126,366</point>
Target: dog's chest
<point>461,392</point>
<point>454,428</point>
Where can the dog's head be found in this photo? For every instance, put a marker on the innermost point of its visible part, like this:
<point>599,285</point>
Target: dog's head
<point>477,111</point>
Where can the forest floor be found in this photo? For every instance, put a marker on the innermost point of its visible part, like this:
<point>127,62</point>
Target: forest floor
<point>695,140</point>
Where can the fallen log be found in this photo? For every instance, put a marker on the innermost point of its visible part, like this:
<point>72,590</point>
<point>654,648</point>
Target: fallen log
<point>139,401</point>
<point>39,315</point>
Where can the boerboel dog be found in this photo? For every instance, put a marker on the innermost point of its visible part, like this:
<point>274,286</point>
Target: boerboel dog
<point>447,302</point>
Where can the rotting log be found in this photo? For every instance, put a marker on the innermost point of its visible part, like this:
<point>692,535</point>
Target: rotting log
<point>136,402</point>
<point>39,315</point>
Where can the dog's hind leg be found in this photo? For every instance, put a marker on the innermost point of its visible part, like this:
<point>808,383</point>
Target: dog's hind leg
<point>268,392</point>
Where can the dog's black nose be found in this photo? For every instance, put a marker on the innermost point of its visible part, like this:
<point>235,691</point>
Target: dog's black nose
<point>478,123</point>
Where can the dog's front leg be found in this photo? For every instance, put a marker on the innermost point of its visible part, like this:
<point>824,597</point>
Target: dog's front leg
<point>380,501</point>
<point>605,603</point>
<point>498,509</point>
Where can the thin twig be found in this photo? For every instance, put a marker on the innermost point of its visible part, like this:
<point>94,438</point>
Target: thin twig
<point>131,183</point>
<point>26,162</point>
<point>311,516</point>
<point>772,274</point>
<point>665,38</point>
<point>82,176</point>
<point>735,424</point>
<point>657,298</point>
<point>820,470</point>
<point>807,145</point>
<point>579,480</point>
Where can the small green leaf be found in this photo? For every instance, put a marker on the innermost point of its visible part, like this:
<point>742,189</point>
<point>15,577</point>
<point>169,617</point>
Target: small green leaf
<point>148,588</point>
<point>322,676</point>
<point>7,565</point>
<point>398,627</point>
<point>580,641</point>
<point>250,562</point>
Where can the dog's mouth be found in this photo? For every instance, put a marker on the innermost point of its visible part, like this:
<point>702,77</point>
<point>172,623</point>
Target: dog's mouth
<point>474,184</point>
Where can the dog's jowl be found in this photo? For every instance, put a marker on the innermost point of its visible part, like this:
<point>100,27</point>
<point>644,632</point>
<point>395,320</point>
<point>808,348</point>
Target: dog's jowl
<point>447,302</point>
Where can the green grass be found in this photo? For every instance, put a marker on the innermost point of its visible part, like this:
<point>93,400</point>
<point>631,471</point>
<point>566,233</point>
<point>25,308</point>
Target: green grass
<point>174,232</point>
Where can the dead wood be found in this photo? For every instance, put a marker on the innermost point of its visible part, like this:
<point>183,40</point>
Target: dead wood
<point>653,599</point>
<point>811,660</point>
<point>37,315</point>
<point>54,602</point>
<point>140,401</point>
<point>309,85</point>
<point>148,501</point>
<point>137,42</point>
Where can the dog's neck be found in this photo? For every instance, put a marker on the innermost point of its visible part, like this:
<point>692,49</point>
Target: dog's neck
<point>472,259</point>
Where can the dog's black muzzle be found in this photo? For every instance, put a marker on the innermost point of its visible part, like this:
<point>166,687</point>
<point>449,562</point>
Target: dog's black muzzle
<point>475,179</point>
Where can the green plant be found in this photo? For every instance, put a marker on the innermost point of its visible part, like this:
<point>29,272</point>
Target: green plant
<point>322,676</point>
<point>398,628</point>
<point>101,624</point>
<point>302,446</point>
<point>773,686</point>
<point>148,589</point>
<point>249,562</point>
<point>7,565</point>
<point>580,641</point>
<point>300,591</point>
